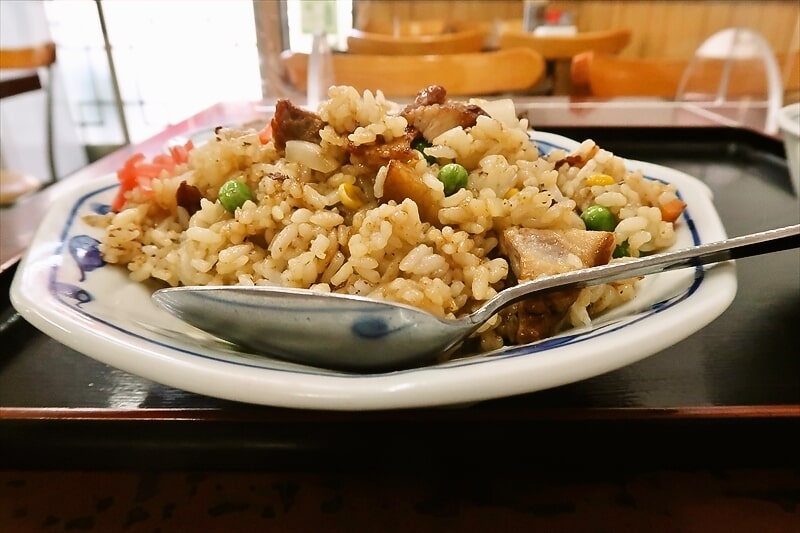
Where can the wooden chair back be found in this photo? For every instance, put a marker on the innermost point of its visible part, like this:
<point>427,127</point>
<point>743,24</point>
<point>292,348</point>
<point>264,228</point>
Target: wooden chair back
<point>468,40</point>
<point>565,47</point>
<point>27,59</point>
<point>607,76</point>
<point>399,27</point>
<point>479,73</point>
<point>27,64</point>
<point>41,55</point>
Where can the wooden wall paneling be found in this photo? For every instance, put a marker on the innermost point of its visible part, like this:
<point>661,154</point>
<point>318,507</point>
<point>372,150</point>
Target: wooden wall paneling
<point>683,29</point>
<point>637,16</point>
<point>786,31</point>
<point>463,10</point>
<point>670,29</point>
<point>600,15</point>
<point>713,17</point>
<point>432,9</point>
<point>661,35</point>
<point>477,11</point>
<point>674,28</point>
<point>718,15</point>
<point>748,14</point>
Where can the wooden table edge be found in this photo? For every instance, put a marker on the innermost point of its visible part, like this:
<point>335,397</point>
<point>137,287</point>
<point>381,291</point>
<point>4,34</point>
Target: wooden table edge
<point>256,414</point>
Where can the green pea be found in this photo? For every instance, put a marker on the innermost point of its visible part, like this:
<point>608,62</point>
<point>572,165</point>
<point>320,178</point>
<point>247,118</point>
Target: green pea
<point>599,218</point>
<point>420,144</point>
<point>234,194</point>
<point>622,249</point>
<point>454,177</point>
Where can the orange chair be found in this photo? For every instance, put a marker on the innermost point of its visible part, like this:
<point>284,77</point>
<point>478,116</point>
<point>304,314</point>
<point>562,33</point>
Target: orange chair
<point>565,47</point>
<point>558,50</point>
<point>480,73</point>
<point>463,41</point>
<point>27,63</point>
<point>398,27</point>
<point>607,76</point>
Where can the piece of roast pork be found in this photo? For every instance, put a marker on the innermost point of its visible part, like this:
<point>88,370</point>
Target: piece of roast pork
<point>377,154</point>
<point>403,182</point>
<point>293,123</point>
<point>431,114</point>
<point>534,253</point>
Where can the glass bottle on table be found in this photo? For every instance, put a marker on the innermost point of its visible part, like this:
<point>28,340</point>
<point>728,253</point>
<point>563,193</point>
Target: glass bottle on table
<point>320,70</point>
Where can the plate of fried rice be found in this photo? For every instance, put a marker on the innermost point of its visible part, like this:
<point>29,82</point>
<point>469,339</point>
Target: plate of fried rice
<point>437,203</point>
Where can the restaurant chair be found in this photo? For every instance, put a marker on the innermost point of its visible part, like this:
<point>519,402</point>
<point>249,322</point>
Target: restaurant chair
<point>468,74</point>
<point>565,47</point>
<point>558,50</point>
<point>608,76</point>
<point>398,27</point>
<point>462,41</point>
<point>28,69</point>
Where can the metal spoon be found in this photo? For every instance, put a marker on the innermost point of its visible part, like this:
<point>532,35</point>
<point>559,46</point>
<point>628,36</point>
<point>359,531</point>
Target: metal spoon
<point>346,332</point>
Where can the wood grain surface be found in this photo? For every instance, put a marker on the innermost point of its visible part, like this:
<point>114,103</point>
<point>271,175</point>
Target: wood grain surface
<point>685,501</point>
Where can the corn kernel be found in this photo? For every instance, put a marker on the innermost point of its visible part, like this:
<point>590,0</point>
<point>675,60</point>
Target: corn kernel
<point>513,191</point>
<point>599,179</point>
<point>351,196</point>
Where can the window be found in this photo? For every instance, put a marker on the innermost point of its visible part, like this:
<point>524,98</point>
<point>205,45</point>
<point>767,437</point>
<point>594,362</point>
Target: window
<point>306,17</point>
<point>170,58</point>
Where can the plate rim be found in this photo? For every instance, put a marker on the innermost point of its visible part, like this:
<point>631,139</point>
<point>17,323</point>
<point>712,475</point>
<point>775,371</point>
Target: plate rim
<point>424,387</point>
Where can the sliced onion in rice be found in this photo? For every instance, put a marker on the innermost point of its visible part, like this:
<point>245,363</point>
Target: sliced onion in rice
<point>502,110</point>
<point>309,154</point>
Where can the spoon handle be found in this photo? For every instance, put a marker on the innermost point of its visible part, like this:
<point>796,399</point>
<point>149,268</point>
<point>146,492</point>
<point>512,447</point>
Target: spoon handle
<point>764,242</point>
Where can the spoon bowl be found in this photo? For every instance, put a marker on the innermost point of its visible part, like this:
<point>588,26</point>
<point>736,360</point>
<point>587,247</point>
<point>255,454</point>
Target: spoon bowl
<point>353,333</point>
<point>327,330</point>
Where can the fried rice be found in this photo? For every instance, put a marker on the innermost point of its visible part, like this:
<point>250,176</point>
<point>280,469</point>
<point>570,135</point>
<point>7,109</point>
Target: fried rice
<point>321,216</point>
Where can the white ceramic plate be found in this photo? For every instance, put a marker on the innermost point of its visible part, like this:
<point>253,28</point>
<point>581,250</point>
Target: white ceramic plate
<point>201,136</point>
<point>63,288</point>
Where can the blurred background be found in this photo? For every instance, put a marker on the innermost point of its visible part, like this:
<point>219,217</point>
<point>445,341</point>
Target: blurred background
<point>128,68</point>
